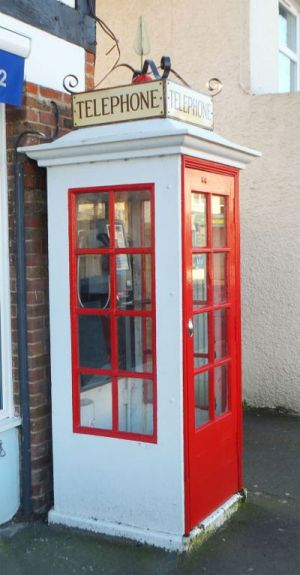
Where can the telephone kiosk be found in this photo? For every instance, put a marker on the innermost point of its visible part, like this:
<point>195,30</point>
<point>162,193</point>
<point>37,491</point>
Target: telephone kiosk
<point>145,328</point>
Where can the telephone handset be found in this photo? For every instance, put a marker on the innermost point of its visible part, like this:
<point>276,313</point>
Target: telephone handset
<point>93,272</point>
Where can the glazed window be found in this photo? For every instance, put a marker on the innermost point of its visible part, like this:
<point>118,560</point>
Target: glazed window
<point>71,3</point>
<point>288,48</point>
<point>113,311</point>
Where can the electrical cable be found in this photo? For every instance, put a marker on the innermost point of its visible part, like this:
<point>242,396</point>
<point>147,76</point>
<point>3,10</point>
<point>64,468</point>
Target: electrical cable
<point>112,36</point>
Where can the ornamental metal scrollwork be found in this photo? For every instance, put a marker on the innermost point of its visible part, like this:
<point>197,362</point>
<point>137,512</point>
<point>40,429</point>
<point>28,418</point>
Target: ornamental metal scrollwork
<point>70,81</point>
<point>215,86</point>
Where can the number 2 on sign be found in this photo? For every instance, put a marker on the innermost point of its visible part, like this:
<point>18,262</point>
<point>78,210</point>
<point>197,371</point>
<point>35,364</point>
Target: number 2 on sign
<point>3,76</point>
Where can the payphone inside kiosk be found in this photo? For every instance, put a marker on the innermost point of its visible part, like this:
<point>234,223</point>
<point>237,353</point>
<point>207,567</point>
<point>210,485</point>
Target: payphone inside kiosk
<point>145,324</point>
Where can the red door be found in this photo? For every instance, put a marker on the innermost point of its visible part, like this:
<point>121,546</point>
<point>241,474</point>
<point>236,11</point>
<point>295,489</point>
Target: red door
<point>211,320</point>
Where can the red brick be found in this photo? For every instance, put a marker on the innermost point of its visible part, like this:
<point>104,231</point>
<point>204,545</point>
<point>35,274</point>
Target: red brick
<point>34,323</point>
<point>89,58</point>
<point>49,93</point>
<point>31,88</point>
<point>47,118</point>
<point>32,115</point>
<point>39,437</point>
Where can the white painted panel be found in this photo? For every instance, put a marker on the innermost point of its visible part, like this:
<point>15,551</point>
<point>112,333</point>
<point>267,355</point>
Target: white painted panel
<point>9,475</point>
<point>264,46</point>
<point>114,480</point>
<point>5,324</point>
<point>14,43</point>
<point>51,58</point>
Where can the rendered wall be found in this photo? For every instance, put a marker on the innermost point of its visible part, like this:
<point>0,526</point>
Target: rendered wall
<point>212,39</point>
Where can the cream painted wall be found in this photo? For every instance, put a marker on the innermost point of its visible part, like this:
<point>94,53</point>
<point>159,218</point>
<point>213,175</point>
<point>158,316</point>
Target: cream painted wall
<point>207,39</point>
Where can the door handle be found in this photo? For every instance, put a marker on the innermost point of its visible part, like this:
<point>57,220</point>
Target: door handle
<point>191,327</point>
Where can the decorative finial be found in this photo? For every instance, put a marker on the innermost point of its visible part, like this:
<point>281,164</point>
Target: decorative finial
<point>142,42</point>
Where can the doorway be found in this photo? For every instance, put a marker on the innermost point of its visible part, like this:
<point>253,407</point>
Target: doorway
<point>211,337</point>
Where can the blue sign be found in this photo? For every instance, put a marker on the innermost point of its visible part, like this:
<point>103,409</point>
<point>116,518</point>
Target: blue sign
<point>11,78</point>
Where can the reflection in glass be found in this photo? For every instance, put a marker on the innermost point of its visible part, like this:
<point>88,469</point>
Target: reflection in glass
<point>94,341</point>
<point>135,344</point>
<point>218,221</point>
<point>94,281</point>
<point>201,398</point>
<point>132,211</point>
<point>220,280</point>
<point>199,227</point>
<point>134,282</point>
<point>96,401</point>
<point>221,389</point>
<point>199,277</point>
<point>135,408</point>
<point>220,333</point>
<point>92,220</point>
<point>287,74</point>
<point>287,29</point>
<point>200,339</point>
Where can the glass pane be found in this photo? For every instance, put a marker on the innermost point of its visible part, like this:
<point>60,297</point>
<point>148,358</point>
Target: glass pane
<point>199,227</point>
<point>201,398</point>
<point>221,389</point>
<point>134,282</point>
<point>218,208</point>
<point>220,281</point>
<point>287,29</point>
<point>287,74</point>
<point>220,329</point>
<point>135,344</point>
<point>199,277</point>
<point>200,339</point>
<point>93,281</point>
<point>96,401</point>
<point>92,220</point>
<point>133,219</point>
<point>94,341</point>
<point>135,405</point>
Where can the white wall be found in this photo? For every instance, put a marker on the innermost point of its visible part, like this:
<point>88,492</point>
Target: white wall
<point>9,475</point>
<point>51,58</point>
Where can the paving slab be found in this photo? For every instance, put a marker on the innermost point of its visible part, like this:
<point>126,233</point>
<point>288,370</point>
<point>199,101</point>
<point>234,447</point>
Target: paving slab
<point>262,538</point>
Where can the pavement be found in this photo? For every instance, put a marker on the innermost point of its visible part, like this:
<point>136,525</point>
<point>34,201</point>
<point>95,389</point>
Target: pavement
<point>262,537</point>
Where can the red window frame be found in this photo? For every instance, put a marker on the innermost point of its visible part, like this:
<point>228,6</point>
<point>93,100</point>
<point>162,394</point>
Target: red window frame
<point>113,312</point>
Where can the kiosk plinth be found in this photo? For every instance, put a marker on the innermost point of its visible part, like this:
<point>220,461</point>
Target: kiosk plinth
<point>145,328</point>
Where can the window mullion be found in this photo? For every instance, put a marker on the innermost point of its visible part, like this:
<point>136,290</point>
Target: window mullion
<point>289,53</point>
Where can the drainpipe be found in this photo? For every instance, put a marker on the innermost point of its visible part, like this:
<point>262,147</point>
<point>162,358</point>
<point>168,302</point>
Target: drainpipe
<point>22,317</point>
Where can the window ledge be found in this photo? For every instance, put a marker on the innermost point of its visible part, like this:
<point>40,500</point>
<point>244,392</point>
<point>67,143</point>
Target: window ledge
<point>9,423</point>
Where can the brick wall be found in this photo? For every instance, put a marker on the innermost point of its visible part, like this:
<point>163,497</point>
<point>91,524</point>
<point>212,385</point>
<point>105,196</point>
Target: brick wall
<point>37,113</point>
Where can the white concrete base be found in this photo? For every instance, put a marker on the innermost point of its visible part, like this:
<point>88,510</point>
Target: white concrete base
<point>167,541</point>
<point>213,521</point>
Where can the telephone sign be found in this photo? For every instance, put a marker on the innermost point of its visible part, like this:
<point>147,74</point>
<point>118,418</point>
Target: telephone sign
<point>11,78</point>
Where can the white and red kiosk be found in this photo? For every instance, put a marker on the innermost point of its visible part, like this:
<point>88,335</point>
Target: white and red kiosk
<point>145,325</point>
